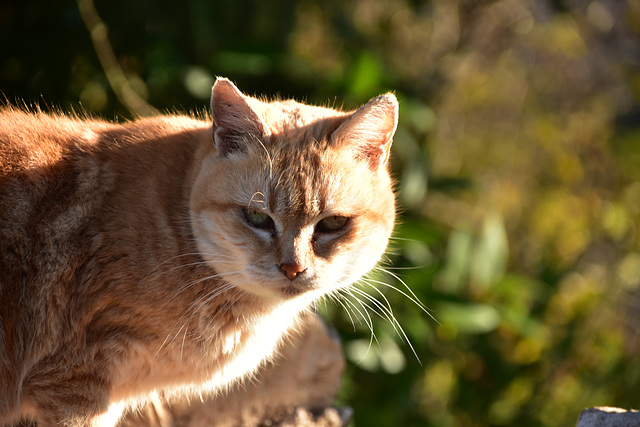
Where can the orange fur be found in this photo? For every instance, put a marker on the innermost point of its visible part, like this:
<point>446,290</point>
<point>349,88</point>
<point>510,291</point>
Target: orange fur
<point>126,265</point>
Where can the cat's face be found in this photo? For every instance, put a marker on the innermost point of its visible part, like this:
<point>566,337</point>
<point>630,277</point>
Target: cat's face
<point>292,201</point>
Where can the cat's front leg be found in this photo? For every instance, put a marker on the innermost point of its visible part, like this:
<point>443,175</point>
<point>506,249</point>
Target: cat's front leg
<point>78,399</point>
<point>68,414</point>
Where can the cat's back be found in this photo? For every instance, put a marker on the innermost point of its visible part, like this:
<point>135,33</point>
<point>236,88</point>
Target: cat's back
<point>35,141</point>
<point>58,172</point>
<point>29,141</point>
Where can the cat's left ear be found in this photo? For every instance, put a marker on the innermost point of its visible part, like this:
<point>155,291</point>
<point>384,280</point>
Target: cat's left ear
<point>235,121</point>
<point>370,129</point>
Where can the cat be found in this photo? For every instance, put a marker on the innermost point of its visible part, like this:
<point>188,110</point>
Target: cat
<point>173,253</point>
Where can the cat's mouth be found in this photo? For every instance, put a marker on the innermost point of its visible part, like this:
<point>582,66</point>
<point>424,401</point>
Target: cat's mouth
<point>295,288</point>
<point>291,291</point>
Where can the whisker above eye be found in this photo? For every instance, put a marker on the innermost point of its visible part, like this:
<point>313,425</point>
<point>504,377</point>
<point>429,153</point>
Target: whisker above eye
<point>268,158</point>
<point>262,201</point>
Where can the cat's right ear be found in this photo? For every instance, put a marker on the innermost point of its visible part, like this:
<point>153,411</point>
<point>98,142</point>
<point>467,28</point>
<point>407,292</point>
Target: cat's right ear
<point>234,121</point>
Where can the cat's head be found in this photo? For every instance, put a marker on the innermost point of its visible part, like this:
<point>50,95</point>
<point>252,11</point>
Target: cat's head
<point>293,199</point>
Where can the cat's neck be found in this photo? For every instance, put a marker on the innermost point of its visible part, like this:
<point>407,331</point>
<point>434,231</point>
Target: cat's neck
<point>225,343</point>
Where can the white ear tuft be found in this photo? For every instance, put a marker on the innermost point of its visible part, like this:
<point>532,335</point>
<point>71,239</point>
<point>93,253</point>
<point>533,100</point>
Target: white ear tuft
<point>235,122</point>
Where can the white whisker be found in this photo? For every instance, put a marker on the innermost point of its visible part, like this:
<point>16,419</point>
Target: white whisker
<point>346,309</point>
<point>391,318</point>
<point>195,282</point>
<point>190,265</point>
<point>373,336</point>
<point>385,313</point>
<point>367,319</point>
<point>403,239</point>
<point>263,201</point>
<point>415,298</point>
<point>268,158</point>
<point>202,301</point>
<point>401,268</point>
<point>191,254</point>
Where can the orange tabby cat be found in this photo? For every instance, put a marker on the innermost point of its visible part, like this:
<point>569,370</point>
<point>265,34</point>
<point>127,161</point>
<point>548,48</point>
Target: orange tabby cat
<point>171,253</point>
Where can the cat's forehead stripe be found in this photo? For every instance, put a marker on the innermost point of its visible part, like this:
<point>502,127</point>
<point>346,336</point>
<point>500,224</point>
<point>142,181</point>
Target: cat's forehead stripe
<point>300,189</point>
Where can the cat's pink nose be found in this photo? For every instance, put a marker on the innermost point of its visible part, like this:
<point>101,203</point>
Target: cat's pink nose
<point>292,270</point>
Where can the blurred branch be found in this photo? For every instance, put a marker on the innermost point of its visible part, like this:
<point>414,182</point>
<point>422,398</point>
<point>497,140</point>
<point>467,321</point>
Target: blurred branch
<point>116,76</point>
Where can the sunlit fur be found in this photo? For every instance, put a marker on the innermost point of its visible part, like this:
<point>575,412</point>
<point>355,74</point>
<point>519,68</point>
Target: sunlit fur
<point>126,265</point>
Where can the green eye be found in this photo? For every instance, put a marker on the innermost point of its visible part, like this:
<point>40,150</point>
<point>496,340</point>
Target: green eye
<point>258,219</point>
<point>332,224</point>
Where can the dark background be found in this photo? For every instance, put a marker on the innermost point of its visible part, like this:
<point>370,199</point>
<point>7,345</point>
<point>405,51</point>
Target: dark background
<point>517,156</point>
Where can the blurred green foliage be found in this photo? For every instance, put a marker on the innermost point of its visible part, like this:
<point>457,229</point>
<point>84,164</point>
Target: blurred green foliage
<point>518,165</point>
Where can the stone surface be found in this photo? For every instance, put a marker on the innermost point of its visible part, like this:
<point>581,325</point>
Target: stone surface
<point>609,417</point>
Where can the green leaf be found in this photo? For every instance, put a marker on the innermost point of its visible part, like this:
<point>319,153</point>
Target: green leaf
<point>472,318</point>
<point>366,76</point>
<point>490,254</point>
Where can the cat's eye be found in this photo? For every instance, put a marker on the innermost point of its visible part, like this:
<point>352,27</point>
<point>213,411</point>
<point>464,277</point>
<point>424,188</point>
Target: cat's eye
<point>258,219</point>
<point>332,224</point>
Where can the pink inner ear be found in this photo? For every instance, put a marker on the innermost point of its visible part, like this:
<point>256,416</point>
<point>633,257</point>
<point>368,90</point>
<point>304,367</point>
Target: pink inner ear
<point>370,129</point>
<point>233,117</point>
<point>377,156</point>
<point>388,126</point>
<point>229,106</point>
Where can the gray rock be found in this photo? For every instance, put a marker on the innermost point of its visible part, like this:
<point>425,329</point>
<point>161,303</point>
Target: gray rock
<point>609,417</point>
